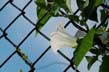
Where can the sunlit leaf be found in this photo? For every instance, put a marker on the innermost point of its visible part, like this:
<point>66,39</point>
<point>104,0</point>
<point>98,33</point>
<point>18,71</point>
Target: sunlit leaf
<point>84,47</point>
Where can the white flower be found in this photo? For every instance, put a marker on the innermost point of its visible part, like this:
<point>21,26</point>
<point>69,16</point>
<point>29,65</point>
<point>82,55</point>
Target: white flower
<point>60,38</point>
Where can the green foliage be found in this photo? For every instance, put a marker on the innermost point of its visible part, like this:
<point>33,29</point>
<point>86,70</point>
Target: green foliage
<point>65,4</point>
<point>42,14</point>
<point>88,10</point>
<point>82,4</point>
<point>105,64</point>
<point>40,3</point>
<point>43,21</point>
<point>74,18</point>
<point>84,47</point>
<point>91,60</point>
<point>46,11</point>
<point>95,51</point>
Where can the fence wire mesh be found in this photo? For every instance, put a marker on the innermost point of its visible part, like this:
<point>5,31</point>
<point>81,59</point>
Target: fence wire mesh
<point>7,35</point>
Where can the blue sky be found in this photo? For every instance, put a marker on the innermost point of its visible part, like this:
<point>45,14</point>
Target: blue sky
<point>33,46</point>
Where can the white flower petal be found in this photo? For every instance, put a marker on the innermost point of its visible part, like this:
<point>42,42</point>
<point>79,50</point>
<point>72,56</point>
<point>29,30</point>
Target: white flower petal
<point>61,38</point>
<point>60,28</point>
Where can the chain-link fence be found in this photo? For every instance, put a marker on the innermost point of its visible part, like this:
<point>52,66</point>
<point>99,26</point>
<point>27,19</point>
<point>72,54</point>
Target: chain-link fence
<point>4,34</point>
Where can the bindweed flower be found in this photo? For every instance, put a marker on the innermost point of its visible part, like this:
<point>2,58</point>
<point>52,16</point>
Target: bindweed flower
<point>60,38</point>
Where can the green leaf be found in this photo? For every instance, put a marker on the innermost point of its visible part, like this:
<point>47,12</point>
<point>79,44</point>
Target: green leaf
<point>98,2</point>
<point>90,12</point>
<point>95,51</point>
<point>55,10</point>
<point>105,64</point>
<point>84,47</point>
<point>68,4</point>
<point>42,14</point>
<point>82,22</point>
<point>74,18</point>
<point>43,20</point>
<point>91,60</point>
<point>65,4</point>
<point>93,15</point>
<point>100,30</point>
<point>40,3</point>
<point>82,4</point>
<point>104,13</point>
<point>86,3</point>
